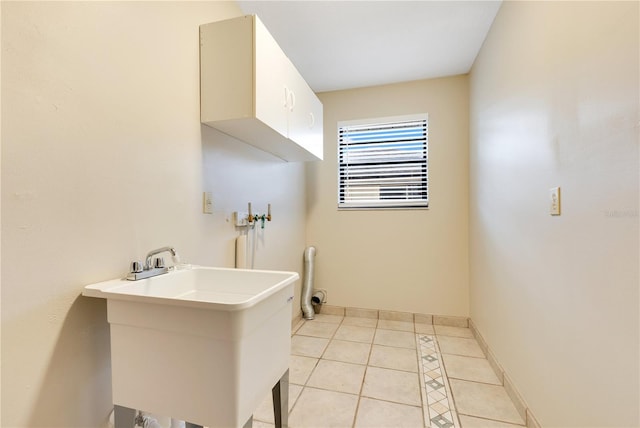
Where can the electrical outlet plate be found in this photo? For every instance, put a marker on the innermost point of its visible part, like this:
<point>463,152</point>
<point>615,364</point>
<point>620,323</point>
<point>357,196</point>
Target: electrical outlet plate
<point>554,201</point>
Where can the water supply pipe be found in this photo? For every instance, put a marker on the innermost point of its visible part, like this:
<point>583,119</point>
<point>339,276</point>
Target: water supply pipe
<point>307,284</point>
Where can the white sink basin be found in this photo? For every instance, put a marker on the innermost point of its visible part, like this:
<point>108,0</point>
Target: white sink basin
<point>204,345</point>
<point>206,287</point>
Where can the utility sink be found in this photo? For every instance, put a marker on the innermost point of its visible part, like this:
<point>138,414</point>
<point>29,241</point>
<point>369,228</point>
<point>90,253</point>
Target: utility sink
<point>200,344</point>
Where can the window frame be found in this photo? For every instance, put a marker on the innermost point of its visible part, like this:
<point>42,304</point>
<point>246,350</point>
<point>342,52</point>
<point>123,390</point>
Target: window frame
<point>395,204</point>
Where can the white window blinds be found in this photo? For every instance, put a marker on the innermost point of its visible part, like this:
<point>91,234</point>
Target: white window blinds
<point>383,163</point>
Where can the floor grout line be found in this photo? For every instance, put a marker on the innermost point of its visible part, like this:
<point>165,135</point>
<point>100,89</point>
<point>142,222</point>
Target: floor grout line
<point>492,420</point>
<point>434,413</point>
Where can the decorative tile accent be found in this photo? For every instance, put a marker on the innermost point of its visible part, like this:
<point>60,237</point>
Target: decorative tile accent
<point>439,410</point>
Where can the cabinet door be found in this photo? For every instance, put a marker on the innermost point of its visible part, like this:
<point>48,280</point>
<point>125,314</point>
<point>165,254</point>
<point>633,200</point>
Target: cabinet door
<point>226,70</point>
<point>305,114</point>
<point>271,90</point>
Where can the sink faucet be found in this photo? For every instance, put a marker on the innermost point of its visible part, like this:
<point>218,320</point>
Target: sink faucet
<point>150,254</point>
<point>151,268</point>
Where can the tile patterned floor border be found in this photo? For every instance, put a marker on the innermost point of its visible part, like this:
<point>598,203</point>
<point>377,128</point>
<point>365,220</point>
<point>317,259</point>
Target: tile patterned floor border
<point>439,409</point>
<point>432,401</point>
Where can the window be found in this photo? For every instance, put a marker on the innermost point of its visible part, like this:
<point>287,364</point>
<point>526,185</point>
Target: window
<point>383,163</point>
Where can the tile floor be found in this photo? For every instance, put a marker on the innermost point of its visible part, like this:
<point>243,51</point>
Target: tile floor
<point>362,372</point>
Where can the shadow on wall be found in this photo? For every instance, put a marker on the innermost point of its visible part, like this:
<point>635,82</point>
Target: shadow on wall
<point>79,370</point>
<point>312,176</point>
<point>229,149</point>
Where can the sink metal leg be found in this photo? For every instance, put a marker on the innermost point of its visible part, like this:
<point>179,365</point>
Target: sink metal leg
<point>123,417</point>
<point>280,394</point>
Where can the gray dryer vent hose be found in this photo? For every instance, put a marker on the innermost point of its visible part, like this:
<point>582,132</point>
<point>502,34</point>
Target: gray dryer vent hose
<point>307,283</point>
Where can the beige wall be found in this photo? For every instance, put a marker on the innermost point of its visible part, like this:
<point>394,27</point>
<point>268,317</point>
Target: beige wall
<point>103,159</point>
<point>0,217</point>
<point>554,102</point>
<point>405,260</point>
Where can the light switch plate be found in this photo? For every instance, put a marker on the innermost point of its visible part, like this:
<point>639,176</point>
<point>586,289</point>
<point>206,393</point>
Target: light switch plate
<point>207,202</point>
<point>554,201</point>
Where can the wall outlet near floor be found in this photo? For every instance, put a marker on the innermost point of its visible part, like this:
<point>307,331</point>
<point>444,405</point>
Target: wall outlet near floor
<point>554,201</point>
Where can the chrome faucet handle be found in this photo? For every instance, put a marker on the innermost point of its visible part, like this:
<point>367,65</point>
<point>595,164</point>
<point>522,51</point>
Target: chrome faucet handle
<point>136,267</point>
<point>158,262</point>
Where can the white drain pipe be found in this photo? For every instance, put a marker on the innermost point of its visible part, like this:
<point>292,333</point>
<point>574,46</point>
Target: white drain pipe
<point>307,284</point>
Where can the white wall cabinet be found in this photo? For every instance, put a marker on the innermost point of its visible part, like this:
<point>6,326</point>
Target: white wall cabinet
<point>249,89</point>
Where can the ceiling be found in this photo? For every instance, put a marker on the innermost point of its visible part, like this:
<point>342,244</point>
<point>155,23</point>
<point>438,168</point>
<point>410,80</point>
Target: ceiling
<point>349,44</point>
